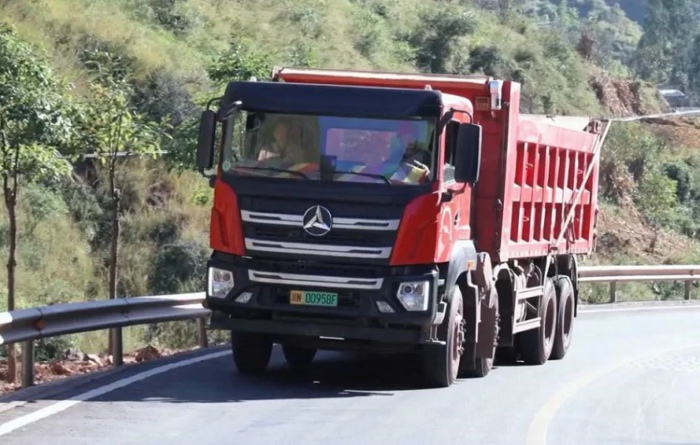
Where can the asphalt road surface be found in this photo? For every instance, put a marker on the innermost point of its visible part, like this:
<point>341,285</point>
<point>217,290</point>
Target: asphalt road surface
<point>631,377</point>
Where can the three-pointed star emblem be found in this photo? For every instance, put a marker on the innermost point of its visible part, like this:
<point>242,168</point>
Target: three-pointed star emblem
<point>317,221</point>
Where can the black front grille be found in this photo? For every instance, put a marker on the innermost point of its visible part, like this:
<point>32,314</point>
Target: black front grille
<point>269,232</point>
<point>319,268</point>
<point>360,238</point>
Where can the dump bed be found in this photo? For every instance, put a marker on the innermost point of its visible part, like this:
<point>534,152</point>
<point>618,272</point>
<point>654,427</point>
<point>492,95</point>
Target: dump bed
<point>538,186</point>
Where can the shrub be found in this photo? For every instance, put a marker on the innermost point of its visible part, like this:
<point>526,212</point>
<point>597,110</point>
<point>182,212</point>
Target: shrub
<point>177,264</point>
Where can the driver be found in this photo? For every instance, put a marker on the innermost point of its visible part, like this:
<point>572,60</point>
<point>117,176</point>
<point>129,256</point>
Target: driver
<point>413,153</point>
<point>281,147</point>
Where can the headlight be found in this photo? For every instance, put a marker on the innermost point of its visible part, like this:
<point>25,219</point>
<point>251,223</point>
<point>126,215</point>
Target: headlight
<point>414,295</point>
<point>220,282</point>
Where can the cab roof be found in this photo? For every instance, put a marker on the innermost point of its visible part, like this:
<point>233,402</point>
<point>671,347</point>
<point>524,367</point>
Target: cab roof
<point>282,97</point>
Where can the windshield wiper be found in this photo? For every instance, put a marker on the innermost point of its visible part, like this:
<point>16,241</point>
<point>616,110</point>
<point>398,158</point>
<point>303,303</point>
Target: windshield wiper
<point>275,169</point>
<point>369,175</point>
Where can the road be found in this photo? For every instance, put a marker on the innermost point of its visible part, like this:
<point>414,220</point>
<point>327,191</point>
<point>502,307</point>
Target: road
<point>631,377</point>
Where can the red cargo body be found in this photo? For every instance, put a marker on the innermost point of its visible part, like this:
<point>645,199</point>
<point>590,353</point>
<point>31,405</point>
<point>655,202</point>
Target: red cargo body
<point>533,168</point>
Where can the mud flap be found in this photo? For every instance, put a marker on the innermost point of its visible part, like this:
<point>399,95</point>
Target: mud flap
<point>480,312</point>
<point>487,325</point>
<point>471,320</point>
<point>218,320</point>
<point>487,306</point>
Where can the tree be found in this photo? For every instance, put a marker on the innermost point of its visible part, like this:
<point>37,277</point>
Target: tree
<point>695,66</point>
<point>113,130</point>
<point>663,54</point>
<point>435,41</point>
<point>34,123</point>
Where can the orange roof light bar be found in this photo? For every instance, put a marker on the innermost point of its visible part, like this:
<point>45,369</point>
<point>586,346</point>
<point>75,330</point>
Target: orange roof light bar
<point>381,79</point>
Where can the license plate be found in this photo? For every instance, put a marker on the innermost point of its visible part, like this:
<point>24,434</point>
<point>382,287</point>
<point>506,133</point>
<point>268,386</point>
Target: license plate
<point>309,298</point>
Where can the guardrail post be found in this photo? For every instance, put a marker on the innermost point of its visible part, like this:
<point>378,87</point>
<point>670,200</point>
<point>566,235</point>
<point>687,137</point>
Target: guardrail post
<point>28,363</point>
<point>117,347</point>
<point>688,287</point>
<point>202,333</point>
<point>613,291</point>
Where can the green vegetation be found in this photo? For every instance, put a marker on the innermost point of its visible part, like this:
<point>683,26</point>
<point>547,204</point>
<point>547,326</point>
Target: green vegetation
<point>127,75</point>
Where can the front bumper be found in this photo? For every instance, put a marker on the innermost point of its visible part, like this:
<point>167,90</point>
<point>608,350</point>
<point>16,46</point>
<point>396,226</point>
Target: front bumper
<point>267,286</point>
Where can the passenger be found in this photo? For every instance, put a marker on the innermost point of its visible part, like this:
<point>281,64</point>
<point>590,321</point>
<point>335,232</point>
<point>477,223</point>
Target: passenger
<point>281,147</point>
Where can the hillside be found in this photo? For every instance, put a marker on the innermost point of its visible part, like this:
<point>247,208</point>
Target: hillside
<point>174,54</point>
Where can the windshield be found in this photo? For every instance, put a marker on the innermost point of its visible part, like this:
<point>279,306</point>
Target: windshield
<point>303,147</point>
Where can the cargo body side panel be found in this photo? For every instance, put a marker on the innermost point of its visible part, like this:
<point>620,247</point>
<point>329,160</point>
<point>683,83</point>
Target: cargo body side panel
<point>550,166</point>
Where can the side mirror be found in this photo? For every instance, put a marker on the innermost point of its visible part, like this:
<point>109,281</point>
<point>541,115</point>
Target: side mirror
<point>468,153</point>
<point>207,133</point>
<point>205,146</point>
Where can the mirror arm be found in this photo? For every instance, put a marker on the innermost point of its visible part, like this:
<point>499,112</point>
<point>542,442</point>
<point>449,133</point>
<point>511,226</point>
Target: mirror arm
<point>447,117</point>
<point>234,107</point>
<point>448,194</point>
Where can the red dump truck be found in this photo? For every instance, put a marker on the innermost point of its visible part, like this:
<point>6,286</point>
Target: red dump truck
<point>396,212</point>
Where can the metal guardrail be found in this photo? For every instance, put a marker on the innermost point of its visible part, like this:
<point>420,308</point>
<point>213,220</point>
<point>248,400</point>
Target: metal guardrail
<point>28,325</point>
<point>620,274</point>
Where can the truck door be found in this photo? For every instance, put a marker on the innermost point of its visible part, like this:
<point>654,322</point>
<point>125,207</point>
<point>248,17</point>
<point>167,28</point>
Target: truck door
<point>457,196</point>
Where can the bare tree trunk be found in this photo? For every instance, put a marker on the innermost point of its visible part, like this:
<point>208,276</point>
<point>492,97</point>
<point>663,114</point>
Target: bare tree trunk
<point>116,229</point>
<point>9,187</point>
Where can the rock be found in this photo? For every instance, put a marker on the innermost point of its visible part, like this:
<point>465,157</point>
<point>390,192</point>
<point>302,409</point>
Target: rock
<point>93,359</point>
<point>57,368</point>
<point>147,354</point>
<point>73,354</point>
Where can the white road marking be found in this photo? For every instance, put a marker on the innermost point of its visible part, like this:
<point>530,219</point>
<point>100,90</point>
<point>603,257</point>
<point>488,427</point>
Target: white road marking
<point>639,308</point>
<point>537,431</point>
<point>50,410</point>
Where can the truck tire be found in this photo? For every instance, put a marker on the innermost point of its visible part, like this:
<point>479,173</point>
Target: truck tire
<point>565,318</point>
<point>298,356</point>
<point>536,344</point>
<point>251,352</point>
<point>441,362</point>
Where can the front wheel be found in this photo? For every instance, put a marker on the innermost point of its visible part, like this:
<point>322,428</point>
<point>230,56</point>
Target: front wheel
<point>251,352</point>
<point>441,362</point>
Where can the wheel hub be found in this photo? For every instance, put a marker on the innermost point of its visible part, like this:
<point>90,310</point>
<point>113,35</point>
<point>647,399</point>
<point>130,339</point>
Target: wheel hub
<point>461,329</point>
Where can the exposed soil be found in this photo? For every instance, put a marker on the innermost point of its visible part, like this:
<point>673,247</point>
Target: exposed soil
<point>623,97</point>
<point>76,363</point>
<point>679,132</point>
<point>624,234</point>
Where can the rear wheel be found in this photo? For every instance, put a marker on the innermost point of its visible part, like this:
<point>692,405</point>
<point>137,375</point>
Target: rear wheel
<point>441,362</point>
<point>565,318</point>
<point>251,352</point>
<point>298,356</point>
<point>536,344</point>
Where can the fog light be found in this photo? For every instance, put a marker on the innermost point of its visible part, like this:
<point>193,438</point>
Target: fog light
<point>244,297</point>
<point>384,307</point>
<point>220,282</point>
